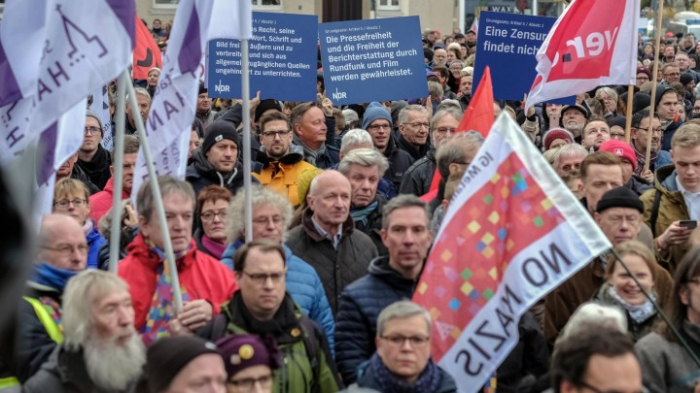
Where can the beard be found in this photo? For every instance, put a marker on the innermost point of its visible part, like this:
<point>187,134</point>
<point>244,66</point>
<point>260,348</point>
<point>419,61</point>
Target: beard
<point>111,365</point>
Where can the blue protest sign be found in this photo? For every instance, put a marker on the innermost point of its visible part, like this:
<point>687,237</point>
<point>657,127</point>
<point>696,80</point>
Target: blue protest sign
<point>508,44</point>
<point>373,60</point>
<point>282,59</point>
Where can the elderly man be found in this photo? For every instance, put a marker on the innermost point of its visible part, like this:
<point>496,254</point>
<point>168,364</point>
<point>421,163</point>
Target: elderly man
<point>414,129</point>
<point>263,306</point>
<point>377,121</point>
<point>676,197</point>
<point>402,361</point>
<point>143,100</point>
<point>619,215</point>
<point>28,344</point>
<point>327,238</point>
<point>569,158</point>
<point>573,118</point>
<point>419,176</point>
<point>311,133</point>
<point>101,351</point>
<point>595,133</point>
<point>204,112</point>
<point>406,234</point>
<point>282,162</point>
<point>640,137</point>
<point>216,162</point>
<point>364,168</point>
<point>205,283</point>
<point>272,214</point>
<point>101,202</point>
<point>93,159</point>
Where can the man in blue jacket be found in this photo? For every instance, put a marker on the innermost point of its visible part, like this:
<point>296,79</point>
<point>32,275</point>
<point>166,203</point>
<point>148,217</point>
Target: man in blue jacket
<point>406,234</point>
<point>272,214</point>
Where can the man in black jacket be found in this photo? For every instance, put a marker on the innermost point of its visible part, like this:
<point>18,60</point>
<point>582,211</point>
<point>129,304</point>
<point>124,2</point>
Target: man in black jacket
<point>93,159</point>
<point>406,234</point>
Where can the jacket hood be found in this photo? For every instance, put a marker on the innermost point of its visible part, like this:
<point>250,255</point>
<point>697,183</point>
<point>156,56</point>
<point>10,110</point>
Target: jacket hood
<point>665,178</point>
<point>293,156</point>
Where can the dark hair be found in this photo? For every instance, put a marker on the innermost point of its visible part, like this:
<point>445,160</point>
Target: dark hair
<point>131,146</point>
<point>641,115</point>
<point>272,116</point>
<point>688,269</point>
<point>442,71</point>
<point>571,358</point>
<point>264,245</point>
<point>428,54</point>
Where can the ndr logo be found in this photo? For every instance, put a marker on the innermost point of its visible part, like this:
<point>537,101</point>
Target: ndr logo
<point>339,94</point>
<point>221,88</point>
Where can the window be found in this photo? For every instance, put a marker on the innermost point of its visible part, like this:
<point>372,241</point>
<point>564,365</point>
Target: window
<point>389,4</point>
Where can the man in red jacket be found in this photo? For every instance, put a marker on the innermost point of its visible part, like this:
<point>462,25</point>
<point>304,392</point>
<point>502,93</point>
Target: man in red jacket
<point>205,282</point>
<point>101,202</point>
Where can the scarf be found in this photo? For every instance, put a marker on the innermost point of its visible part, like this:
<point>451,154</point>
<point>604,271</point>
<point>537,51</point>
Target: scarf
<point>52,277</point>
<point>428,381</point>
<point>215,248</point>
<point>638,313</point>
<point>312,155</point>
<point>282,326</point>
<point>361,215</point>
<point>641,160</point>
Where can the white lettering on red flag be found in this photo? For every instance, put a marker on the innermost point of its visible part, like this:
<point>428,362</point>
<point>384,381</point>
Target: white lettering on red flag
<point>512,233</point>
<point>593,43</point>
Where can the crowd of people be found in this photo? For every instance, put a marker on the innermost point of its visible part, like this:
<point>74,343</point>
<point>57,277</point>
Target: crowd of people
<point>345,209</point>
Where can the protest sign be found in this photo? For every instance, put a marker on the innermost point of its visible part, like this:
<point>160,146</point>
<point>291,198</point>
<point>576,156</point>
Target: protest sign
<point>373,60</point>
<point>282,59</point>
<point>508,44</point>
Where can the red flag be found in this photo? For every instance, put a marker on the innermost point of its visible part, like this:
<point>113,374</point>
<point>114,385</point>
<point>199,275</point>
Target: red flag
<point>478,117</point>
<point>593,43</point>
<point>146,52</point>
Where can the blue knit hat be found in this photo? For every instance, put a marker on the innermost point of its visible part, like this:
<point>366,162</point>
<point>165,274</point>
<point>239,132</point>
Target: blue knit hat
<point>373,112</point>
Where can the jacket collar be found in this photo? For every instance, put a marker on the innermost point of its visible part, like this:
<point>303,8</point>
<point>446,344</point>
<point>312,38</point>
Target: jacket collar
<point>381,269</point>
<point>348,226</point>
<point>140,251</point>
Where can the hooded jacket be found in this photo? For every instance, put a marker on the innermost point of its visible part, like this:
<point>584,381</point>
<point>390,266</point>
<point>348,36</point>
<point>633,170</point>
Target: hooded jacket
<point>360,305</point>
<point>201,276</point>
<point>201,174</point>
<point>282,174</point>
<point>417,178</point>
<point>97,169</point>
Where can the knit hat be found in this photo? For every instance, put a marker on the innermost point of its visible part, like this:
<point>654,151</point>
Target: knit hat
<point>554,134</point>
<point>264,106</point>
<point>218,131</point>
<point>621,149</point>
<point>686,78</point>
<point>169,355</point>
<point>620,197</point>
<point>431,73</point>
<point>373,112</point>
<point>640,101</point>
<point>619,121</point>
<point>644,70</point>
<point>202,88</point>
<point>90,113</point>
<point>154,68</point>
<point>661,91</point>
<point>241,351</point>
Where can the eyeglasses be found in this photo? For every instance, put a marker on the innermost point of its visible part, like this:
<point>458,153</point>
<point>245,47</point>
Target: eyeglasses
<point>399,341</point>
<point>264,220</point>
<point>66,249</point>
<point>673,74</point>
<point>209,216</point>
<point>93,130</point>
<point>418,125</point>
<point>66,202</point>
<point>274,134</point>
<point>377,127</point>
<point>596,390</point>
<point>261,278</point>
<point>248,383</point>
<point>445,130</point>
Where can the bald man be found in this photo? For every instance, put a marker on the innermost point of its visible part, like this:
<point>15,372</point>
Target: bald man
<point>327,238</point>
<point>61,254</point>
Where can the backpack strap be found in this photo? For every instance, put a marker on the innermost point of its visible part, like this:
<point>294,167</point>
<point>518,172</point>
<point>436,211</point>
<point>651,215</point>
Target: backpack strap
<point>312,348</point>
<point>655,212</point>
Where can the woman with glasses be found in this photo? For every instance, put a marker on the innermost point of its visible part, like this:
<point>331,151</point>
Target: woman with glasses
<point>212,207</point>
<point>250,361</point>
<point>70,196</point>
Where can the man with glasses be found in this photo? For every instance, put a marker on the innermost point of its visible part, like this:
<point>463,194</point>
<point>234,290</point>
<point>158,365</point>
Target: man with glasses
<point>282,162</point>
<point>93,159</point>
<point>414,129</point>
<point>671,73</point>
<point>639,141</point>
<point>263,306</point>
<point>62,253</point>
<point>683,61</point>
<point>402,361</point>
<point>377,121</point>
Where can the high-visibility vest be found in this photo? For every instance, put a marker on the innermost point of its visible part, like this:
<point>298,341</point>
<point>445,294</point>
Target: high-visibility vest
<point>11,384</point>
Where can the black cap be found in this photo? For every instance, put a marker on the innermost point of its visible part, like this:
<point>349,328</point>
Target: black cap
<point>264,106</point>
<point>218,131</point>
<point>662,92</point>
<point>169,355</point>
<point>620,197</point>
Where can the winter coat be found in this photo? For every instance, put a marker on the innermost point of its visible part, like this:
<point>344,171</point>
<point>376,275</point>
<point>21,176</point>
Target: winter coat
<point>635,330</point>
<point>79,174</point>
<point>297,375</point>
<point>305,287</point>
<point>399,162</point>
<point>97,169</point>
<point>64,372</point>
<point>529,359</point>
<point>201,174</point>
<point>95,241</point>
<point>374,226</point>
<point>101,202</point>
<point>668,135</point>
<point>282,175</point>
<point>127,235</point>
<point>638,185</point>
<point>416,152</point>
<point>417,178</point>
<point>201,277</point>
<point>666,366</point>
<point>360,305</point>
<point>672,208</point>
<point>337,268</point>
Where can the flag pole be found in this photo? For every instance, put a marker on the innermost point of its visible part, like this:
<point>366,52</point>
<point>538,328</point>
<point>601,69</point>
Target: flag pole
<point>245,90</point>
<point>655,73</point>
<point>118,152</point>
<point>630,102</point>
<point>157,199</point>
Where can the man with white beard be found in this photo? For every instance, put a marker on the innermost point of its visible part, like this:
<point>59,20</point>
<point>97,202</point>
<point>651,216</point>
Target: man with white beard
<point>101,351</point>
